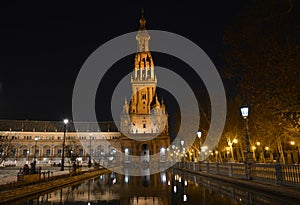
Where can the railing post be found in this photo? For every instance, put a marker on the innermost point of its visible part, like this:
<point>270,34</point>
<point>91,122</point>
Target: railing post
<point>230,170</point>
<point>207,167</point>
<point>278,170</point>
<point>217,167</point>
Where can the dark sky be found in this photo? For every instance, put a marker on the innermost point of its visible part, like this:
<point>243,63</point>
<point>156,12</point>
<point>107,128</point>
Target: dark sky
<point>43,46</point>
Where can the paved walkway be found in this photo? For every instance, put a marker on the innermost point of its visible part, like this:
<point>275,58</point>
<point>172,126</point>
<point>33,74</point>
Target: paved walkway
<point>266,187</point>
<point>9,175</point>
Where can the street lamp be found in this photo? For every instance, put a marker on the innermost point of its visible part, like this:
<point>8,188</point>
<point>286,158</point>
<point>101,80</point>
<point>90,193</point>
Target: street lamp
<point>199,134</point>
<point>90,162</point>
<point>62,168</point>
<point>36,139</point>
<point>27,155</point>
<point>244,112</point>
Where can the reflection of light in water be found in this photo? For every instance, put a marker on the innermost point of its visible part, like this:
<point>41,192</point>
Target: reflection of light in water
<point>126,179</point>
<point>185,183</point>
<point>184,197</point>
<point>175,189</point>
<point>169,183</point>
<point>163,177</point>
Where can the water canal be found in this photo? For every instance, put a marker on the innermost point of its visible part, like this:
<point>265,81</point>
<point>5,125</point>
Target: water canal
<point>166,188</point>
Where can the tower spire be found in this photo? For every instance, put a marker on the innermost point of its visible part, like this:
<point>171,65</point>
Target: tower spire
<point>142,21</point>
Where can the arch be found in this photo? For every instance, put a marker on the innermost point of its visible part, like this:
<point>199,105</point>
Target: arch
<point>23,151</point>
<point>46,151</point>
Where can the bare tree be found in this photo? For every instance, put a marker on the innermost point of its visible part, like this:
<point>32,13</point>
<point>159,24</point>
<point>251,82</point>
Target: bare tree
<point>6,148</point>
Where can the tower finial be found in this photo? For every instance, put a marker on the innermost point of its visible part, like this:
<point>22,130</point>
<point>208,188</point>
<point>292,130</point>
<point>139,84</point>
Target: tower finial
<point>142,21</point>
<point>142,12</point>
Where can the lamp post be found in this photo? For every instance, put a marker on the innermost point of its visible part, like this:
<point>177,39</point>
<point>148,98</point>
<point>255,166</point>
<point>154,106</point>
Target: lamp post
<point>199,134</point>
<point>36,139</point>
<point>62,168</point>
<point>90,162</point>
<point>244,112</point>
<point>34,156</point>
<point>27,155</point>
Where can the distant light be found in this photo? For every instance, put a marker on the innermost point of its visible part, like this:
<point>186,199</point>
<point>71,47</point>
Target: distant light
<point>181,142</point>
<point>179,179</point>
<point>36,138</point>
<point>175,189</point>
<point>257,143</point>
<point>199,134</point>
<point>292,142</point>
<point>66,121</point>
<point>244,111</point>
<point>169,183</point>
<point>253,147</point>
<point>204,148</point>
<point>267,148</point>
<point>235,141</point>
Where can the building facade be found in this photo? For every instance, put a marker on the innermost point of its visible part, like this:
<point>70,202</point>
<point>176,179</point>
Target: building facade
<point>143,126</point>
<point>43,141</point>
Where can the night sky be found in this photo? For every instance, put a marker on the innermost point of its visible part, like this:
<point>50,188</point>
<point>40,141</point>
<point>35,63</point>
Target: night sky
<point>43,47</point>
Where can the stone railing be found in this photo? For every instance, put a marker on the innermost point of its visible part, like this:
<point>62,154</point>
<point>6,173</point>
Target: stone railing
<point>282,174</point>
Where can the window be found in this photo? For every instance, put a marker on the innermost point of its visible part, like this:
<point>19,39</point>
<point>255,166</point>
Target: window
<point>48,152</point>
<point>59,151</point>
<point>144,125</point>
<point>144,96</point>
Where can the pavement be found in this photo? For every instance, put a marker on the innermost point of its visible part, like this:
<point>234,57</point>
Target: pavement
<point>9,174</point>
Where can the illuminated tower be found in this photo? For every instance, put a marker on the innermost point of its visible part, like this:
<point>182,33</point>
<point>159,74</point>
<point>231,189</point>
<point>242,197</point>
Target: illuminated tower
<point>144,120</point>
<point>144,113</point>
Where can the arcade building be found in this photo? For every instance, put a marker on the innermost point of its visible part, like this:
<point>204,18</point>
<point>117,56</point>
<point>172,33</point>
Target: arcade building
<point>143,126</point>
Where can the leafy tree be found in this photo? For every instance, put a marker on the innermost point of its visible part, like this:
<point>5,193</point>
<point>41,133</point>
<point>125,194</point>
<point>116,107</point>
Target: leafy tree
<point>262,54</point>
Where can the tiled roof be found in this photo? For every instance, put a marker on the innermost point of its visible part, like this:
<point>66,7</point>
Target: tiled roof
<point>52,126</point>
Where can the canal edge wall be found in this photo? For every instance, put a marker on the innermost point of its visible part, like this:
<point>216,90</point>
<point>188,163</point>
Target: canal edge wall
<point>9,195</point>
<point>265,187</point>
